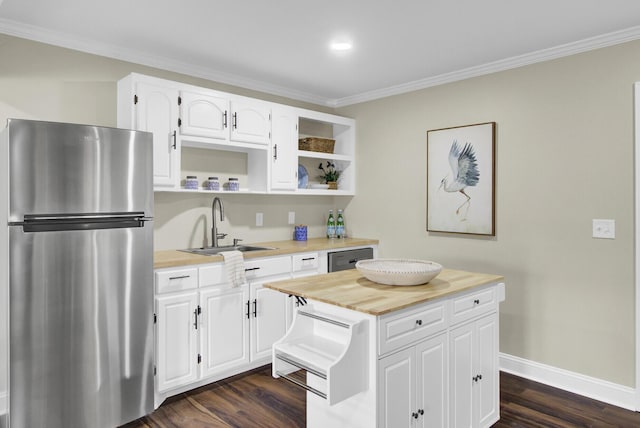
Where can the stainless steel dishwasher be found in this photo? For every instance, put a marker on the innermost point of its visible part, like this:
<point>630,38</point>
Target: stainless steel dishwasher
<point>343,260</point>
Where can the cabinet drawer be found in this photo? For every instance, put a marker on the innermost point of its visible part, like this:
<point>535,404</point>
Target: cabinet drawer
<point>305,262</point>
<point>168,281</point>
<point>398,330</point>
<point>473,304</point>
<point>260,268</point>
<point>214,274</point>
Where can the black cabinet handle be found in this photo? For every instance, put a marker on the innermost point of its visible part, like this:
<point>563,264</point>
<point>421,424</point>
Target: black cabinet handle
<point>414,415</point>
<point>248,313</point>
<point>419,322</point>
<point>172,278</point>
<point>224,119</point>
<point>255,308</point>
<point>174,141</point>
<point>306,259</point>
<point>275,152</point>
<point>235,120</point>
<point>195,318</point>
<point>250,269</point>
<point>476,301</point>
<point>421,411</point>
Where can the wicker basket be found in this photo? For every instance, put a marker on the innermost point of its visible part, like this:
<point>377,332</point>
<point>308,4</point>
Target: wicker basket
<point>398,271</point>
<point>315,144</point>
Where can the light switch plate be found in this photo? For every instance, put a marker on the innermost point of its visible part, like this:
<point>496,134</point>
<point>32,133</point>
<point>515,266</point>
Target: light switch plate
<point>259,219</point>
<point>604,228</point>
<point>292,217</point>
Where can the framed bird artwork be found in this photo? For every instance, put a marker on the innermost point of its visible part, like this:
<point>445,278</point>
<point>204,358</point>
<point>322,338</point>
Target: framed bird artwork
<point>461,179</point>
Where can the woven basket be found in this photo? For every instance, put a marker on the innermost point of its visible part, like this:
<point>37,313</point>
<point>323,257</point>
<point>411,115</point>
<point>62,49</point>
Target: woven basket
<point>315,144</point>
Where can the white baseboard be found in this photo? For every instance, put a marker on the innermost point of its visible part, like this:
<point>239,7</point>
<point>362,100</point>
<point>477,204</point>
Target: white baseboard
<point>3,402</point>
<point>598,389</point>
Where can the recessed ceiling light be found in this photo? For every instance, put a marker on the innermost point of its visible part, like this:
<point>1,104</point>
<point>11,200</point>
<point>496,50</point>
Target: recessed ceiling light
<point>341,46</point>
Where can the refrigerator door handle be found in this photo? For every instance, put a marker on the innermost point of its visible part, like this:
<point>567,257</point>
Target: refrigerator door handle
<point>85,224</point>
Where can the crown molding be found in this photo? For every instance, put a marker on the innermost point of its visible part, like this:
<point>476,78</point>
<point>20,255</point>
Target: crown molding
<point>560,51</point>
<point>64,40</point>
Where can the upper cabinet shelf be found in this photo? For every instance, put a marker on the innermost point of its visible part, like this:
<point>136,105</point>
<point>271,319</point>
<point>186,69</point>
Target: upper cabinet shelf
<point>202,132</point>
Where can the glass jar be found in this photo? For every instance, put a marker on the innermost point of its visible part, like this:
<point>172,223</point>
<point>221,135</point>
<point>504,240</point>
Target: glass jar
<point>191,182</point>
<point>213,183</point>
<point>233,185</point>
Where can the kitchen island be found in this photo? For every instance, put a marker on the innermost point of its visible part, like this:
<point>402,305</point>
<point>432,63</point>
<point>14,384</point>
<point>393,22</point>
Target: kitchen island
<point>389,356</point>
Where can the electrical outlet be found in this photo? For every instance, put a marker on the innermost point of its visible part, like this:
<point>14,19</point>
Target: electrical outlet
<point>259,219</point>
<point>292,217</point>
<point>604,228</point>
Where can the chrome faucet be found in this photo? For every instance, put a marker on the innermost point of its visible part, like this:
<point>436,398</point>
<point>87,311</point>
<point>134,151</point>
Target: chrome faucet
<point>214,229</point>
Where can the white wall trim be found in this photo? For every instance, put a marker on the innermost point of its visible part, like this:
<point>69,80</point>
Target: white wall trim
<point>597,389</point>
<point>3,403</point>
<point>636,169</point>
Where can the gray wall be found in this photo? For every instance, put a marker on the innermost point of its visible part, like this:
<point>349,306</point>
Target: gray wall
<point>564,157</point>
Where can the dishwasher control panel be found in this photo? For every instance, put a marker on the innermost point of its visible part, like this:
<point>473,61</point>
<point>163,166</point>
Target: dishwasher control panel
<point>343,260</point>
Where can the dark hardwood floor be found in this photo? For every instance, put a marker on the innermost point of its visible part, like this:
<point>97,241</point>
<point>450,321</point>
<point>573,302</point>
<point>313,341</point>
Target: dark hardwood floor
<point>255,399</point>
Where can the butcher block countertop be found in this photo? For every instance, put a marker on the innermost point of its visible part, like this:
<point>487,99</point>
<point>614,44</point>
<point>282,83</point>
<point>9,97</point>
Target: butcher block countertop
<point>175,258</point>
<point>349,289</point>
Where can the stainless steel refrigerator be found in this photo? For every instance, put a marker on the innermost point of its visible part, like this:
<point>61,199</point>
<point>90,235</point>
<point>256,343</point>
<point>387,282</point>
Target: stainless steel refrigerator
<point>80,281</point>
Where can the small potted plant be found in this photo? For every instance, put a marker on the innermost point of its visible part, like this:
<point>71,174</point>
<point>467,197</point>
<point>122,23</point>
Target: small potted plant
<point>329,174</point>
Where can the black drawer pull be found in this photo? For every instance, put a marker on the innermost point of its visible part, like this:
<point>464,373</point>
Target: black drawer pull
<point>171,278</point>
<point>419,322</point>
<point>253,268</point>
<point>308,258</point>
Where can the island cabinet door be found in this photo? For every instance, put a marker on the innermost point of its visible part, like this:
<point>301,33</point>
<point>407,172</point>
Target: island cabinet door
<point>397,390</point>
<point>432,358</point>
<point>474,374</point>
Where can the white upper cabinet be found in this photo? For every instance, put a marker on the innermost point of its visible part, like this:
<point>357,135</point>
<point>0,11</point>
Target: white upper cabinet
<point>203,115</point>
<point>250,121</point>
<point>284,149</point>
<point>153,108</point>
<point>186,119</point>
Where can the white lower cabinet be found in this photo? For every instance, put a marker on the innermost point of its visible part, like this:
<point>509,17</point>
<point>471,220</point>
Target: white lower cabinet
<point>207,330</point>
<point>438,363</point>
<point>413,385</point>
<point>177,340</point>
<point>475,393</point>
<point>225,325</point>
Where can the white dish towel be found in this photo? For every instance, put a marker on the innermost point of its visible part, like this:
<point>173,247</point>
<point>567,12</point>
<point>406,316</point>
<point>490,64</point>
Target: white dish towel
<point>234,263</point>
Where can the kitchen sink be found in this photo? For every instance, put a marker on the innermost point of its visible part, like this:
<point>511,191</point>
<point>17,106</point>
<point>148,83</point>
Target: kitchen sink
<point>212,251</point>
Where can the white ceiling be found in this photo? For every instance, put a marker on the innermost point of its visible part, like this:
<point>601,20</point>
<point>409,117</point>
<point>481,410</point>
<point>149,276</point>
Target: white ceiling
<point>281,46</point>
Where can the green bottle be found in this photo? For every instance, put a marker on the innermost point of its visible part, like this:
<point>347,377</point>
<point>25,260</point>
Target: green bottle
<point>340,225</point>
<point>331,225</point>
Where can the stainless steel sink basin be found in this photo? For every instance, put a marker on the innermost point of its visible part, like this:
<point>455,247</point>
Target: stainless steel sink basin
<point>212,251</point>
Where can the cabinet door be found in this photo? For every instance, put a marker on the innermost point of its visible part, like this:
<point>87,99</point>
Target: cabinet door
<point>204,115</point>
<point>487,388</point>
<point>224,329</point>
<point>269,322</point>
<point>462,373</point>
<point>157,112</point>
<point>432,382</point>
<point>397,390</point>
<point>177,340</point>
<point>250,122</point>
<point>284,150</point>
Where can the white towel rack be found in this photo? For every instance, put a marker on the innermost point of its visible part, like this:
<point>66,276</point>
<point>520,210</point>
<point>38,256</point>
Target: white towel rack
<point>330,349</point>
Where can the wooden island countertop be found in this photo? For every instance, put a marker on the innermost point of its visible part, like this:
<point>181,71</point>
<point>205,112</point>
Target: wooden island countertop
<point>349,289</point>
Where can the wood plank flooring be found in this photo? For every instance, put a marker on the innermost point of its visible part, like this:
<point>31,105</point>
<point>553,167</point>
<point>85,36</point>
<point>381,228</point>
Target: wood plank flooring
<point>255,399</point>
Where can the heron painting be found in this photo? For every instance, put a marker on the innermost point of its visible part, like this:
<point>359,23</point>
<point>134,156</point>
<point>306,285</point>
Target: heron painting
<point>460,179</point>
